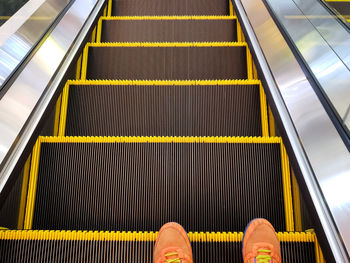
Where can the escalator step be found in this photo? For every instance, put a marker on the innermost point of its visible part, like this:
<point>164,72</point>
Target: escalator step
<point>169,7</point>
<point>112,61</point>
<point>64,246</point>
<point>166,30</point>
<point>343,7</point>
<point>139,183</point>
<point>164,110</point>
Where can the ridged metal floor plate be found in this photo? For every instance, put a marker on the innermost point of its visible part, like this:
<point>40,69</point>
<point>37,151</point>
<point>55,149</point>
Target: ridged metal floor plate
<point>169,7</point>
<point>166,63</point>
<point>117,247</point>
<point>165,110</point>
<point>148,30</point>
<point>104,185</point>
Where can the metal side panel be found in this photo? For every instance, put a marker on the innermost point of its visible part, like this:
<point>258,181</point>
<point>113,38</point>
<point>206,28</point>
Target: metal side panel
<point>322,156</point>
<point>25,102</point>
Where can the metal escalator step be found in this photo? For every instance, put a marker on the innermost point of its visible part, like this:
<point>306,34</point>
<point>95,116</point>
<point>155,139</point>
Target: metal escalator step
<point>139,183</point>
<point>123,61</point>
<point>169,7</point>
<point>169,108</point>
<point>76,246</point>
<point>343,7</point>
<point>166,30</point>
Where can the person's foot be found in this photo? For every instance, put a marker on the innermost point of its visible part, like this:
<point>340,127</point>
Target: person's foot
<point>172,245</point>
<point>260,243</point>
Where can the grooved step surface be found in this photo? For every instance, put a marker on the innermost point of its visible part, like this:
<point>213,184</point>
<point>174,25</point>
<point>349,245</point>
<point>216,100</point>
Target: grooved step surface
<point>169,7</point>
<point>102,110</point>
<point>342,7</point>
<point>169,30</point>
<point>141,186</point>
<point>134,251</point>
<point>167,63</point>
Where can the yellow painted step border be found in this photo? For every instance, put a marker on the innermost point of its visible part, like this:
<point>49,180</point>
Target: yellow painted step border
<point>113,18</point>
<point>36,156</point>
<point>165,44</point>
<point>152,236</point>
<point>141,236</point>
<point>65,98</point>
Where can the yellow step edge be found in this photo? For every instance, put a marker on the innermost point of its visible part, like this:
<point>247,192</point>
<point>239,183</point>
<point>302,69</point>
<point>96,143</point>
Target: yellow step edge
<point>167,44</point>
<point>166,82</point>
<point>263,102</point>
<point>338,1</point>
<point>151,139</point>
<point>152,44</point>
<point>29,213</point>
<point>230,17</point>
<point>140,236</point>
<point>287,190</point>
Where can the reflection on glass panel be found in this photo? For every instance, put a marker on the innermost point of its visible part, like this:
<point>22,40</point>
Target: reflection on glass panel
<point>340,7</point>
<point>9,7</point>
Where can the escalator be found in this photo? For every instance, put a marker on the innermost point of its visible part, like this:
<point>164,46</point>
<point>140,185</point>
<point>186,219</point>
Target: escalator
<point>342,7</point>
<point>166,121</point>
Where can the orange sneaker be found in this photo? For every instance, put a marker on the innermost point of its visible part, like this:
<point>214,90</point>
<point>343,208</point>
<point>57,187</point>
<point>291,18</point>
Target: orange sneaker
<point>172,245</point>
<point>260,243</point>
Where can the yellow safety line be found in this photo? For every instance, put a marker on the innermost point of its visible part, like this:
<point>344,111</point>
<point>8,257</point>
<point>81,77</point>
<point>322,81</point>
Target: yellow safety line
<point>272,123</point>
<point>78,70</point>
<point>239,32</point>
<point>24,192</point>
<point>249,64</point>
<point>230,17</point>
<point>166,82</point>
<point>318,252</point>
<point>287,192</point>
<point>85,61</point>
<point>317,16</point>
<point>28,220</point>
<point>263,111</point>
<point>34,18</point>
<point>338,0</point>
<point>168,44</point>
<point>140,236</point>
<point>65,97</point>
<point>255,72</point>
<point>105,11</point>
<point>93,36</point>
<point>99,31</point>
<point>151,139</point>
<point>232,12</point>
<point>296,203</point>
<point>109,13</point>
<point>57,115</point>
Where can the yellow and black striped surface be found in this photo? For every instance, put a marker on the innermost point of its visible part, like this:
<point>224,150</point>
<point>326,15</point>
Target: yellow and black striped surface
<point>168,29</point>
<point>157,78</point>
<point>65,246</point>
<point>161,7</point>
<point>141,183</point>
<point>168,108</point>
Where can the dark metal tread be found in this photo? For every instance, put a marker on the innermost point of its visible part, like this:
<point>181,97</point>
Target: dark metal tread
<point>149,30</point>
<point>164,110</point>
<point>169,7</point>
<point>142,185</point>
